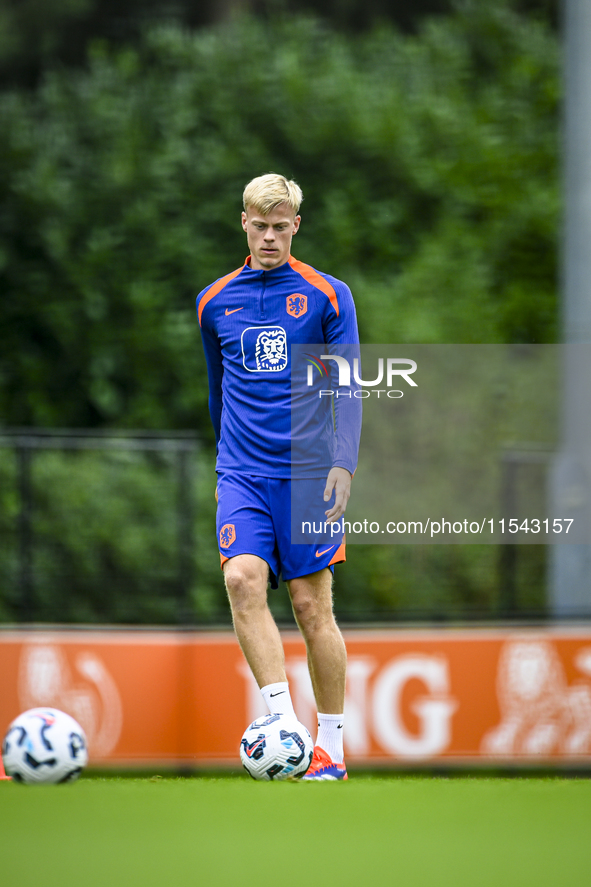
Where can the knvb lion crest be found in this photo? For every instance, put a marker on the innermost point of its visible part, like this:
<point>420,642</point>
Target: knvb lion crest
<point>297,305</point>
<point>271,350</point>
<point>264,349</point>
<point>227,535</point>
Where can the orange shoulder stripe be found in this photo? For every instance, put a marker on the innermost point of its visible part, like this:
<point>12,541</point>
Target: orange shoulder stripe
<point>313,277</point>
<point>215,288</point>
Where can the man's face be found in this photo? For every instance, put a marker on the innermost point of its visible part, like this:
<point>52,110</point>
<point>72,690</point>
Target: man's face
<point>269,237</point>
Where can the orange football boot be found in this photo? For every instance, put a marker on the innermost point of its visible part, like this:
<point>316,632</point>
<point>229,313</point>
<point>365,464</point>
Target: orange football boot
<point>322,767</point>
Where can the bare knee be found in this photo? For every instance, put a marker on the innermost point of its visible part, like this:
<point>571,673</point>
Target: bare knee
<point>246,584</point>
<point>313,612</point>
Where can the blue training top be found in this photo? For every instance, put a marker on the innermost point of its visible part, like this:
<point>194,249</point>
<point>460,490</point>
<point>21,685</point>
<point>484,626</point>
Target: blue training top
<point>249,320</point>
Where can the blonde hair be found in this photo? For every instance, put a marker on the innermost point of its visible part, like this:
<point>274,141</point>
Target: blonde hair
<point>266,192</point>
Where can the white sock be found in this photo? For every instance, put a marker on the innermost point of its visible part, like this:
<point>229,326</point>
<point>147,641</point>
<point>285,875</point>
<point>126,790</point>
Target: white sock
<point>278,698</point>
<point>330,736</point>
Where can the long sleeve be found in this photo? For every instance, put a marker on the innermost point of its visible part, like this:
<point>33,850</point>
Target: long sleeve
<point>343,338</point>
<point>215,372</point>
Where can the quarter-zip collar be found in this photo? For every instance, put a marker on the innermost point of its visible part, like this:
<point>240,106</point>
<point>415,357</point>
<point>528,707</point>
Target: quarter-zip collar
<point>264,279</point>
<point>275,274</point>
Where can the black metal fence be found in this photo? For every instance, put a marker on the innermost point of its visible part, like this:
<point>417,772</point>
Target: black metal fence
<point>44,475</point>
<point>519,467</point>
<point>118,527</point>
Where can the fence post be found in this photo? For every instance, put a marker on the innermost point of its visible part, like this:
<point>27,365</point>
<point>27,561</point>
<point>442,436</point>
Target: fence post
<point>26,598</point>
<point>507,550</point>
<point>186,540</point>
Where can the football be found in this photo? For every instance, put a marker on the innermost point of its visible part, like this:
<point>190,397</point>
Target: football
<point>44,745</point>
<point>276,747</point>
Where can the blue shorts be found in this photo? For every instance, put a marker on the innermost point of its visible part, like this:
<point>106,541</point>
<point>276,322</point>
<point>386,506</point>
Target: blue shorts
<point>254,517</point>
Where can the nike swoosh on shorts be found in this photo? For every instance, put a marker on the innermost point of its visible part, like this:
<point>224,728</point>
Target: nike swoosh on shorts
<point>320,553</point>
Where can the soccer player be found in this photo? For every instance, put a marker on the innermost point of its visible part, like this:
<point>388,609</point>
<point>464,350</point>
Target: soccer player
<point>249,319</point>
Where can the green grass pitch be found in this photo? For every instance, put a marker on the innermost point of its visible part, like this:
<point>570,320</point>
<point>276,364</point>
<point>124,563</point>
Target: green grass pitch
<point>407,831</point>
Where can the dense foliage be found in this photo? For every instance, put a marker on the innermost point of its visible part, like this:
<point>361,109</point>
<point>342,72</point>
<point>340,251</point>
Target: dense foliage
<point>37,34</point>
<point>428,164</point>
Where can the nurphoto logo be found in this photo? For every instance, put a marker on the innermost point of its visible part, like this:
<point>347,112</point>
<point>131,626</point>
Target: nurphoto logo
<point>396,368</point>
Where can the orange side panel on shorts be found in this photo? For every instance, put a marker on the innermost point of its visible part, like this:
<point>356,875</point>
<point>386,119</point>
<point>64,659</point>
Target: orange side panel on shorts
<point>340,555</point>
<point>215,289</point>
<point>312,276</point>
<point>223,560</point>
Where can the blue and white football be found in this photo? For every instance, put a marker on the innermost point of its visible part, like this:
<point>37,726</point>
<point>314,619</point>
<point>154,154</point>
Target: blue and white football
<point>276,747</point>
<point>44,745</point>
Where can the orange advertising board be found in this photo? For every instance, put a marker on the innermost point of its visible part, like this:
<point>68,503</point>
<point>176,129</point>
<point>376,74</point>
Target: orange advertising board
<point>433,696</point>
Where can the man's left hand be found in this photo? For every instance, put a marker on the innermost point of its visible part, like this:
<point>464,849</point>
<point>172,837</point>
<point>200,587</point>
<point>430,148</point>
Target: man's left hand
<point>338,480</point>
